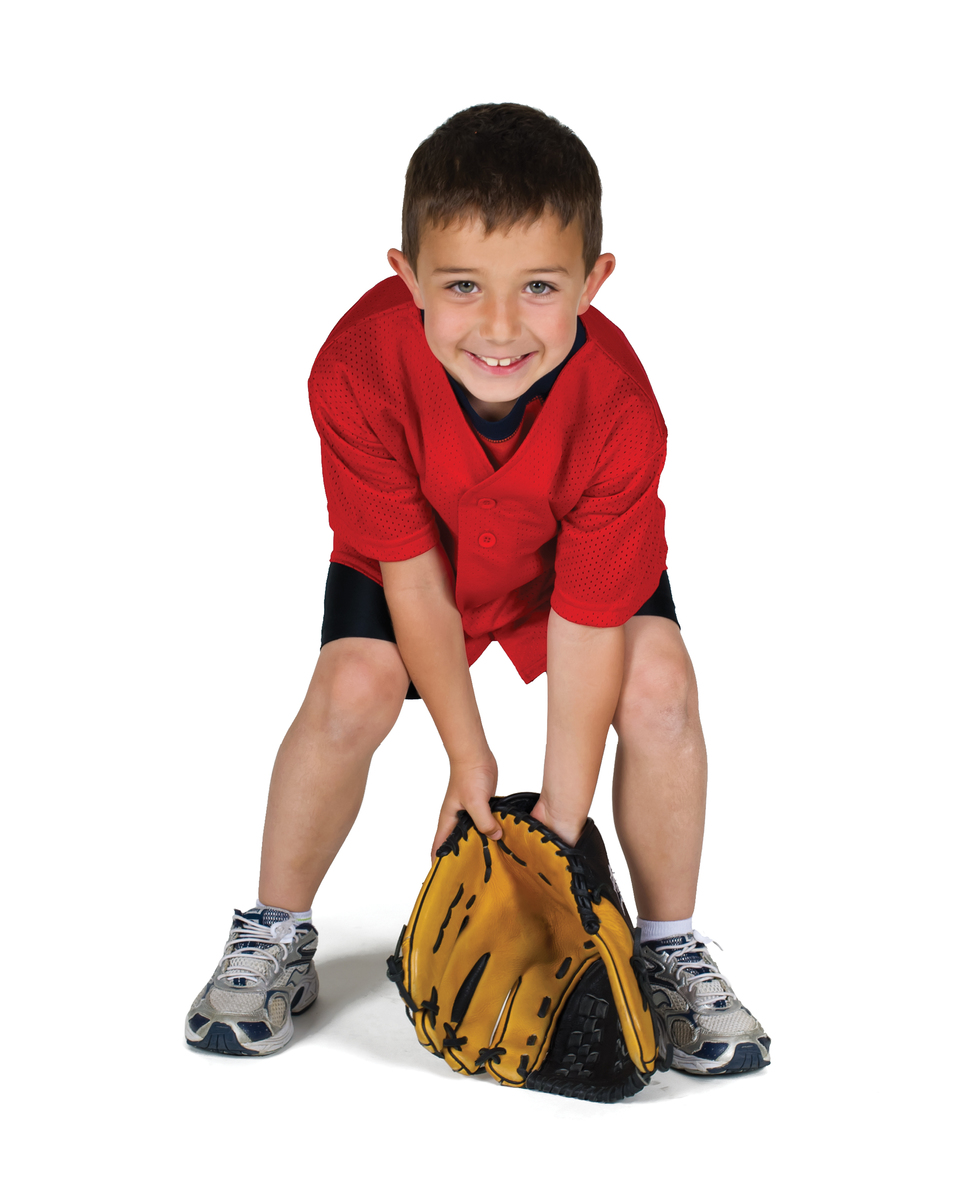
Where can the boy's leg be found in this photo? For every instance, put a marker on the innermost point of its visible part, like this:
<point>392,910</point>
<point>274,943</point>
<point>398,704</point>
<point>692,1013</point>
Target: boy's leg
<point>318,780</point>
<point>659,793</point>
<point>660,772</point>
<point>266,973</point>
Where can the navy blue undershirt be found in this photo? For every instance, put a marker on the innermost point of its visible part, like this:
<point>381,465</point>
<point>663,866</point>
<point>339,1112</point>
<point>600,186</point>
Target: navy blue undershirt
<point>499,431</point>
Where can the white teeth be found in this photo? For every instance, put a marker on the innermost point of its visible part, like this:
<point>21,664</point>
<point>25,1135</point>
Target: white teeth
<point>500,362</point>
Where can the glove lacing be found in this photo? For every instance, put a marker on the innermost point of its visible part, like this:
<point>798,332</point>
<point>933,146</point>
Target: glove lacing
<point>249,939</point>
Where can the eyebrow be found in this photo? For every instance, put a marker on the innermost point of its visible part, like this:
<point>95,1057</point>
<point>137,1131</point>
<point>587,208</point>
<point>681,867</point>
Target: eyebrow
<point>476,271</point>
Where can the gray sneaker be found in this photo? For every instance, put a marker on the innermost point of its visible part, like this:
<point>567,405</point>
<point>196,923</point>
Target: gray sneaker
<point>711,1032</point>
<point>266,975</point>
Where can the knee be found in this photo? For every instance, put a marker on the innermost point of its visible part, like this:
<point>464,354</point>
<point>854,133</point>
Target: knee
<point>658,701</point>
<point>356,694</point>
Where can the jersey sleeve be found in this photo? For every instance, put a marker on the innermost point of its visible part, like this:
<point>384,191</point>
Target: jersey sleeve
<point>611,548</point>
<point>373,492</point>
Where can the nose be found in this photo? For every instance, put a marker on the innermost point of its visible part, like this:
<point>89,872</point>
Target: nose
<point>500,320</point>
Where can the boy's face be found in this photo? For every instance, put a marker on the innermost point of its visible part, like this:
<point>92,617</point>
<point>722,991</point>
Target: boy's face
<point>500,309</point>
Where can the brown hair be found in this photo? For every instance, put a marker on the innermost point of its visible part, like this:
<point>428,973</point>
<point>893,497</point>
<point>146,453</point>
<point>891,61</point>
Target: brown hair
<point>506,163</point>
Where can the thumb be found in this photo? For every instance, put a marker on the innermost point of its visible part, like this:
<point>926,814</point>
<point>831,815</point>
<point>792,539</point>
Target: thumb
<point>487,823</point>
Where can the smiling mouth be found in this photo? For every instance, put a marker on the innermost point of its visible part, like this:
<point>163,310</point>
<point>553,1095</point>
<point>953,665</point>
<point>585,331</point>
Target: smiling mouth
<point>499,364</point>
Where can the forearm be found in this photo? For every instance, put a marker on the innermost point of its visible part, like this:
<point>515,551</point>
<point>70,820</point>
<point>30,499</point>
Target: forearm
<point>429,635</point>
<point>584,676</point>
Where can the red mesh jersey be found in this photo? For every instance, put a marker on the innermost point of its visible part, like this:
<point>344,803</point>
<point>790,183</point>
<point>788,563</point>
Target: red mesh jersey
<point>571,521</point>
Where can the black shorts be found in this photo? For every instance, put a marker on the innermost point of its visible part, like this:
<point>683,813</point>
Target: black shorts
<point>355,606</point>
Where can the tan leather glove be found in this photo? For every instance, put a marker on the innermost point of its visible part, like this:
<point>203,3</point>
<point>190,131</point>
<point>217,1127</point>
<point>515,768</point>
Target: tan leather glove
<point>517,959</point>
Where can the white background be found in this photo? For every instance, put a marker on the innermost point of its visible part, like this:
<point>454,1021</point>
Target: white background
<point>194,194</point>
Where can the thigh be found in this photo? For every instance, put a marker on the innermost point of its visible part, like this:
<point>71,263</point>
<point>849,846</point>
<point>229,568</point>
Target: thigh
<point>354,607</point>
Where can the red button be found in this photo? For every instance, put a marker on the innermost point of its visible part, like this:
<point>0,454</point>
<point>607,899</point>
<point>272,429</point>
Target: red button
<point>487,539</point>
<point>486,502</point>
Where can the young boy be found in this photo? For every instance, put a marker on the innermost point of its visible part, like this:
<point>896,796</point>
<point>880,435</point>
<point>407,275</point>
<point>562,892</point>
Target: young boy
<point>491,452</point>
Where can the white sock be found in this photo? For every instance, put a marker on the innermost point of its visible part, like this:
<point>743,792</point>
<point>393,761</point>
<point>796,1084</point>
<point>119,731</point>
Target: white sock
<point>297,916</point>
<point>650,931</point>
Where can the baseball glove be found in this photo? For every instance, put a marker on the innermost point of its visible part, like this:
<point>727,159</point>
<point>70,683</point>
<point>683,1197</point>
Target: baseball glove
<point>518,959</point>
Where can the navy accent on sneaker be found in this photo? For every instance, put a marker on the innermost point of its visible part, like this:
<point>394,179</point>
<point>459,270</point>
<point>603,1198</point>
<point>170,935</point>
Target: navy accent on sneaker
<point>746,1057</point>
<point>221,1040</point>
<point>711,1049</point>
<point>197,1021</point>
<point>256,1031</point>
<point>270,916</point>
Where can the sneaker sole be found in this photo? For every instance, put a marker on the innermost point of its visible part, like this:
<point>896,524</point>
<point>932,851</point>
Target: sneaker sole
<point>746,1056</point>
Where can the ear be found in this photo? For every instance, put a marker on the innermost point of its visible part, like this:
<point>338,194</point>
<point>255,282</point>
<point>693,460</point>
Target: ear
<point>398,261</point>
<point>599,274</point>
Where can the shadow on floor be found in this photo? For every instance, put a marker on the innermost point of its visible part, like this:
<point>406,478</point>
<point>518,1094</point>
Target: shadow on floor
<point>360,1008</point>
<point>344,981</point>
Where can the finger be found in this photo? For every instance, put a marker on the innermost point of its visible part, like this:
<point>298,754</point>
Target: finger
<point>485,821</point>
<point>445,827</point>
<point>446,824</point>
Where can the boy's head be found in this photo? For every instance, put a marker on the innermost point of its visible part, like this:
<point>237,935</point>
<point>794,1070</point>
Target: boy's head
<point>506,164</point>
<point>501,245</point>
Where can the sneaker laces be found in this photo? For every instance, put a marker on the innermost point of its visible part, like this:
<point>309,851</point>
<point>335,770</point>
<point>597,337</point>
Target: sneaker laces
<point>251,940</point>
<point>689,958</point>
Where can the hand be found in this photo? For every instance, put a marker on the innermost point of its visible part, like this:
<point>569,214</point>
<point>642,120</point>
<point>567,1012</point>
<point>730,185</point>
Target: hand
<point>471,786</point>
<point>566,821</point>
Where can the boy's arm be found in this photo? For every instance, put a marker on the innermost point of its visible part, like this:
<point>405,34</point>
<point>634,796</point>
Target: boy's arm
<point>584,676</point>
<point>610,554</point>
<point>429,633</point>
